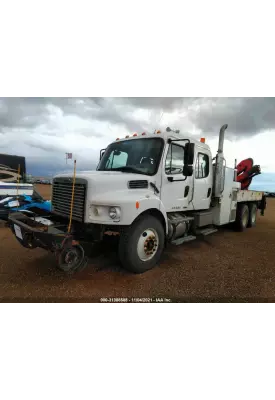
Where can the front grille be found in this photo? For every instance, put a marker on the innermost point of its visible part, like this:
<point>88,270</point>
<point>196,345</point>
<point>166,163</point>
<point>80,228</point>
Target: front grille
<point>138,184</point>
<point>62,196</point>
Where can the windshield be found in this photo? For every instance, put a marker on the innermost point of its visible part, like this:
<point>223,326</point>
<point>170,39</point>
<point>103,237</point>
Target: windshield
<point>141,156</point>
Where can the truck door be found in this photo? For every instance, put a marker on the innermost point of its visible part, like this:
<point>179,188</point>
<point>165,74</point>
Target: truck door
<point>175,195</point>
<point>203,180</point>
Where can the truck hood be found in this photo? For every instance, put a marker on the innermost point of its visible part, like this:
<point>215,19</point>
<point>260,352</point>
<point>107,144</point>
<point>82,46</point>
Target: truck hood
<point>110,181</point>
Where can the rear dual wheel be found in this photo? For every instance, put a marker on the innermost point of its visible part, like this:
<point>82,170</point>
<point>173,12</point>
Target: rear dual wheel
<point>252,215</point>
<point>246,216</point>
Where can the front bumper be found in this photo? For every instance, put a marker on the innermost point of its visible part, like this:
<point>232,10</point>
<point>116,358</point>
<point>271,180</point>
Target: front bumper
<point>31,233</point>
<point>4,214</point>
<point>51,235</point>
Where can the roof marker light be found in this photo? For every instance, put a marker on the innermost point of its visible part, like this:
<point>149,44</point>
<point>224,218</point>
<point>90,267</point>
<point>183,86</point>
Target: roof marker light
<point>117,138</point>
<point>202,140</point>
<point>143,133</point>
<point>135,134</point>
<point>127,136</point>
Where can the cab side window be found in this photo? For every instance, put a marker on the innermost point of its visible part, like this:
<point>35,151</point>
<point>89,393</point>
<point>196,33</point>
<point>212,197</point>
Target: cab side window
<point>174,160</point>
<point>202,166</point>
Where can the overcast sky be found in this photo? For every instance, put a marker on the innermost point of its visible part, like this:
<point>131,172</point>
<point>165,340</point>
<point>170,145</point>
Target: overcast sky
<point>43,129</point>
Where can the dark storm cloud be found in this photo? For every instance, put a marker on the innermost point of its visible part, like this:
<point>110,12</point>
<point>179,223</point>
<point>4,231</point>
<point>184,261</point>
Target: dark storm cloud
<point>31,112</point>
<point>245,116</point>
<point>45,166</point>
<point>20,112</point>
<point>43,146</point>
<point>164,103</point>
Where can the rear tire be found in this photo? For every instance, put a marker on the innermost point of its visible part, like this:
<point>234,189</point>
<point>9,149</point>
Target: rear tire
<point>141,245</point>
<point>242,217</point>
<point>252,215</point>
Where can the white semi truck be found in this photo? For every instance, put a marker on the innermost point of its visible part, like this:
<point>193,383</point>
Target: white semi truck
<point>149,189</point>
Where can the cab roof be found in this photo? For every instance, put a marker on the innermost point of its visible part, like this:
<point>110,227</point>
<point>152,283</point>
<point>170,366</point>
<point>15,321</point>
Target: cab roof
<point>164,135</point>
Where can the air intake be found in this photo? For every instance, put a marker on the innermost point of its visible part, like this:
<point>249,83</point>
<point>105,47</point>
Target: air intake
<point>138,184</point>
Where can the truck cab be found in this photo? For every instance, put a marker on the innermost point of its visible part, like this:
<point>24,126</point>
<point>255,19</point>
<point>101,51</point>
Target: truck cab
<point>142,172</point>
<point>163,159</point>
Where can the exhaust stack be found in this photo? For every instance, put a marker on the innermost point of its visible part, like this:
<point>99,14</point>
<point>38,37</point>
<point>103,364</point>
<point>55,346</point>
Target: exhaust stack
<point>235,171</point>
<point>219,169</point>
<point>221,138</point>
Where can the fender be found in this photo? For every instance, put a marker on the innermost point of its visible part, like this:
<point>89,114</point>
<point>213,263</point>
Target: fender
<point>157,211</point>
<point>132,206</point>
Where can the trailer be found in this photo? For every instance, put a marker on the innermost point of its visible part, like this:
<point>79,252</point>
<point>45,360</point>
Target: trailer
<point>12,168</point>
<point>148,190</point>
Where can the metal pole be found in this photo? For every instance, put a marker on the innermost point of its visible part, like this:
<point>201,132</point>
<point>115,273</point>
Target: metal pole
<point>72,199</point>
<point>235,170</point>
<point>18,177</point>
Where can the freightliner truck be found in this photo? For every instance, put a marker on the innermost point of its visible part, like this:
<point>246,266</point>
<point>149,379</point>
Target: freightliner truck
<point>149,189</point>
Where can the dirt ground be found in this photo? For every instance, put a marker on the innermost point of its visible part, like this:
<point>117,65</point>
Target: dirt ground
<point>226,266</point>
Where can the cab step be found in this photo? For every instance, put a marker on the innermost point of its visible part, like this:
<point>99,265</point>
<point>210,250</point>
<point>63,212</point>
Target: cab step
<point>183,239</point>
<point>207,231</point>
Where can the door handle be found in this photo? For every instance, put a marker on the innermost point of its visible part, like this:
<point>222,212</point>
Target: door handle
<point>209,192</point>
<point>186,191</point>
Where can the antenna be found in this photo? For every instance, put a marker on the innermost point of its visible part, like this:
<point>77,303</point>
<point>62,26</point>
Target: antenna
<point>159,120</point>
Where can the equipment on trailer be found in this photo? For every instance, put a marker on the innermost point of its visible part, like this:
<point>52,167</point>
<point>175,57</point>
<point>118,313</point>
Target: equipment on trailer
<point>13,203</point>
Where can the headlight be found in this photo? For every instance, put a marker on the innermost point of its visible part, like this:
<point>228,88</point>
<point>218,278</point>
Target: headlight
<point>112,212</point>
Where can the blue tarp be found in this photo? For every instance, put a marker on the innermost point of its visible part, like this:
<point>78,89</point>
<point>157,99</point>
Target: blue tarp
<point>11,204</point>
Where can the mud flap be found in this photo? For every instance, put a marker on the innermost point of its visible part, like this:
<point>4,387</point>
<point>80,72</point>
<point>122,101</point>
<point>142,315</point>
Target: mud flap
<point>262,205</point>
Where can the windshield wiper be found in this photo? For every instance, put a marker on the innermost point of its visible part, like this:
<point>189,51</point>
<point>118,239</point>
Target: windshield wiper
<point>127,168</point>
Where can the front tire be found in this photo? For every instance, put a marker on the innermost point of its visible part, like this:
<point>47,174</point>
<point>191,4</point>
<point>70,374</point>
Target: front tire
<point>141,245</point>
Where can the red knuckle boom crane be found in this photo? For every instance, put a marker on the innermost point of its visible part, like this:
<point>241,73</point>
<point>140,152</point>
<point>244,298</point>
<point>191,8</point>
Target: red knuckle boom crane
<point>246,172</point>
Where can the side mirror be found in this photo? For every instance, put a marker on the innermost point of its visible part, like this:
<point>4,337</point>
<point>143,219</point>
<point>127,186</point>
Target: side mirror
<point>102,151</point>
<point>189,151</point>
<point>188,170</point>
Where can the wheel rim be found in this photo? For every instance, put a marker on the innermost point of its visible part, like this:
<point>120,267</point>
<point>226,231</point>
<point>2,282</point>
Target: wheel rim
<point>71,260</point>
<point>245,217</point>
<point>71,257</point>
<point>148,244</point>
